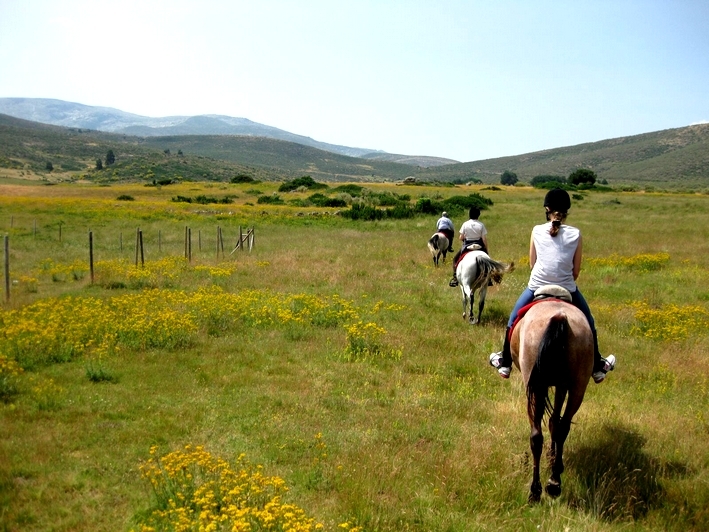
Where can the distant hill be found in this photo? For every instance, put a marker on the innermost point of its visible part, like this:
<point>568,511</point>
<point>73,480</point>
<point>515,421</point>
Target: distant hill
<point>671,158</point>
<point>69,114</point>
<point>28,147</point>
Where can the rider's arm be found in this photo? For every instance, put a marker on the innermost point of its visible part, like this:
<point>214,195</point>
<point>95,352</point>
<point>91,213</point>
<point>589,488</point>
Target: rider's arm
<point>532,253</point>
<point>486,246</point>
<point>577,259</point>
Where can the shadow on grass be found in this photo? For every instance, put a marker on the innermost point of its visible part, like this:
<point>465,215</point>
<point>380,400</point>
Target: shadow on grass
<point>613,478</point>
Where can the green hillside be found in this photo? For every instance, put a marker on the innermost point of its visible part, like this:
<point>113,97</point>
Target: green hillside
<point>28,146</point>
<point>670,159</point>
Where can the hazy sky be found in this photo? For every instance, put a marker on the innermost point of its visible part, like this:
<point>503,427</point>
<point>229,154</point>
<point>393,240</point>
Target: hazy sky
<point>467,80</point>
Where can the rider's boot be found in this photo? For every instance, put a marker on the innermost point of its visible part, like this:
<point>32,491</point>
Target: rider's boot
<point>454,281</point>
<point>601,365</point>
<point>502,360</point>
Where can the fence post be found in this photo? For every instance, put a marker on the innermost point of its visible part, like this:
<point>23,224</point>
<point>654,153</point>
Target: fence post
<point>142,254</point>
<point>137,245</point>
<point>7,268</point>
<point>189,244</point>
<point>252,239</point>
<point>186,251</point>
<point>91,255</point>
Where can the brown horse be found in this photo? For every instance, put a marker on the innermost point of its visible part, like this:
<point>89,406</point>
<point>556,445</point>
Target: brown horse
<point>552,345</point>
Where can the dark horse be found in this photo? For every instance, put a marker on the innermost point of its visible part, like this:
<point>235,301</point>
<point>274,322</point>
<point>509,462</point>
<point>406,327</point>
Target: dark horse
<point>552,345</point>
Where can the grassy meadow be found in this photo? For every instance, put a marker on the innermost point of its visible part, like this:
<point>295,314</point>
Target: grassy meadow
<point>326,380</point>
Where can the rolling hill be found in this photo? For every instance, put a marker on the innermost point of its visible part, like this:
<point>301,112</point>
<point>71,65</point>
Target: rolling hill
<point>106,119</point>
<point>670,159</point>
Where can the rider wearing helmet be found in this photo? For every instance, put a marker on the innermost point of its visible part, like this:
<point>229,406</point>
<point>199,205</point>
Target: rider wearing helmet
<point>555,258</point>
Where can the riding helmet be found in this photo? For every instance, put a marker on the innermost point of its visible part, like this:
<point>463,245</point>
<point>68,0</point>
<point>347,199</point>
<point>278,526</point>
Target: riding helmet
<point>557,200</point>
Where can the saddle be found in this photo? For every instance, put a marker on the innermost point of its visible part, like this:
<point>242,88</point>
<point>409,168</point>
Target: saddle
<point>465,251</point>
<point>550,291</point>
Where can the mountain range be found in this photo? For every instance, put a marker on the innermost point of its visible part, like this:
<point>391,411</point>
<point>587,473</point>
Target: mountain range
<point>669,159</point>
<point>76,115</point>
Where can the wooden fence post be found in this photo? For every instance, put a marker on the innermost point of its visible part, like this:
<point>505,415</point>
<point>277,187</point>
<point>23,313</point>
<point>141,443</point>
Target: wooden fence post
<point>142,251</point>
<point>189,244</point>
<point>7,268</point>
<point>186,250</point>
<point>218,233</point>
<point>137,245</point>
<point>91,255</point>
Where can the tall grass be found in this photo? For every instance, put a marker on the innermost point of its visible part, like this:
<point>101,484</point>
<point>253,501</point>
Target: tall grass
<point>334,356</point>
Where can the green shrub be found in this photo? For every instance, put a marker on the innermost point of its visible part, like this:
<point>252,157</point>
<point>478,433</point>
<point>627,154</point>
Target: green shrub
<point>305,181</point>
<point>242,178</point>
<point>274,199</point>
<point>125,197</point>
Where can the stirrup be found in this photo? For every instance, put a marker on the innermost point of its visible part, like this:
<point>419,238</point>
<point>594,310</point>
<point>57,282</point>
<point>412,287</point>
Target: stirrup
<point>453,282</point>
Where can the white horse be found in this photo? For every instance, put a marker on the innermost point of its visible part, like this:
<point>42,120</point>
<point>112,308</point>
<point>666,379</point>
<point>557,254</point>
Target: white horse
<point>475,270</point>
<point>438,245</point>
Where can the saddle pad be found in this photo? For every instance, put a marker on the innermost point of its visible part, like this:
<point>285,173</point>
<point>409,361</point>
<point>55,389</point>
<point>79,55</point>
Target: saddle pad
<point>521,312</point>
<point>471,247</point>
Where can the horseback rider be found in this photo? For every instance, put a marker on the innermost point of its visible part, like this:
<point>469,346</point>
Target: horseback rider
<point>445,225</point>
<point>472,232</point>
<point>555,258</point>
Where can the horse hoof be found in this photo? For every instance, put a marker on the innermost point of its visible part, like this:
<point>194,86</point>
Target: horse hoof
<point>534,498</point>
<point>553,488</point>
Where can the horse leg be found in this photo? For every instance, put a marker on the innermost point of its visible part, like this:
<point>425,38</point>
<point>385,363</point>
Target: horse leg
<point>536,442</point>
<point>471,314</point>
<point>559,427</point>
<point>536,402</point>
<point>481,305</point>
<point>465,301</point>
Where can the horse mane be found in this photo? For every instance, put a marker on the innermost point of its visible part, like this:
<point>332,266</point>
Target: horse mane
<point>547,366</point>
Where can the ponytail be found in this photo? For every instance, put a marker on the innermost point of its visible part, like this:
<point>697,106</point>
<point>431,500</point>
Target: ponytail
<point>556,220</point>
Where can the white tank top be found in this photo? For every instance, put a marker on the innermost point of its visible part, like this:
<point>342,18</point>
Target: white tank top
<point>555,257</point>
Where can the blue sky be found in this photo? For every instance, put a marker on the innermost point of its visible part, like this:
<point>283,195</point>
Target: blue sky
<point>467,80</point>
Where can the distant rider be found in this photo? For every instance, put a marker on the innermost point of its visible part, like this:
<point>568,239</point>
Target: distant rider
<point>471,232</point>
<point>445,225</point>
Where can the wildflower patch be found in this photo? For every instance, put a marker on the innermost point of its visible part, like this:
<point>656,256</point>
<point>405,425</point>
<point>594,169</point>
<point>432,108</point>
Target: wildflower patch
<point>670,322</point>
<point>195,490</point>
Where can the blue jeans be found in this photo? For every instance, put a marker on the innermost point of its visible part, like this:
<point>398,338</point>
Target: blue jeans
<point>577,300</point>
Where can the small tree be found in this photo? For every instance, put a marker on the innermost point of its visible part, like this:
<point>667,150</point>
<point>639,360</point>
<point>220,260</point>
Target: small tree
<point>582,176</point>
<point>508,178</point>
<point>110,158</point>
<point>99,164</point>
<point>49,166</point>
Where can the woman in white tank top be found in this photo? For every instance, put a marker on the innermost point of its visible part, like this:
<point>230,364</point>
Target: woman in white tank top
<point>555,251</point>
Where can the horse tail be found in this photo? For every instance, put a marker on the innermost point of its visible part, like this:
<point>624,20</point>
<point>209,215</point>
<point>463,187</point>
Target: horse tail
<point>433,244</point>
<point>491,269</point>
<point>550,357</point>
